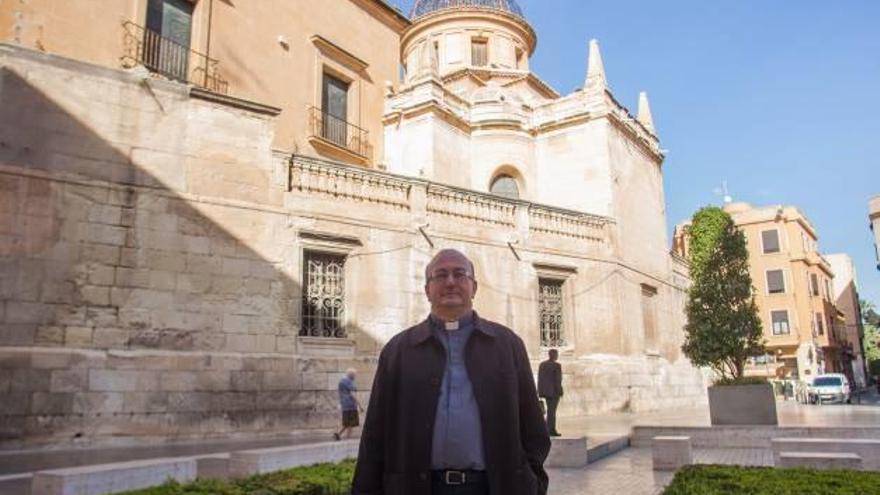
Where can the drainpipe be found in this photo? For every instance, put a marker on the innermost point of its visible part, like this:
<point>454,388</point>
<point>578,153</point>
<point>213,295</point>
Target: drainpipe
<point>208,44</point>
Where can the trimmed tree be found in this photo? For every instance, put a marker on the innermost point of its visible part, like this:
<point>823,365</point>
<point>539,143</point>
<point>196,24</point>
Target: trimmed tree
<point>723,328</point>
<point>871,321</point>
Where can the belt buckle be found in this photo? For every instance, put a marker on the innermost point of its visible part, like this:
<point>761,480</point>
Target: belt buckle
<point>450,480</point>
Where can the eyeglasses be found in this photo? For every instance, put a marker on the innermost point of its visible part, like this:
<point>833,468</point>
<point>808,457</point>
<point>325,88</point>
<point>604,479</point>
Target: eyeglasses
<point>458,276</point>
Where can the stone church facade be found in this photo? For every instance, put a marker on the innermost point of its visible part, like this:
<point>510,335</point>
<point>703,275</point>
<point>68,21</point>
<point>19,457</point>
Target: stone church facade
<point>173,269</point>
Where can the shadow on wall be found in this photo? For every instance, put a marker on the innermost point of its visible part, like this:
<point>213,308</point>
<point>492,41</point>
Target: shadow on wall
<point>125,310</point>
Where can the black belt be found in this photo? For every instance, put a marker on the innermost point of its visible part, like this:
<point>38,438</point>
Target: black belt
<point>459,477</point>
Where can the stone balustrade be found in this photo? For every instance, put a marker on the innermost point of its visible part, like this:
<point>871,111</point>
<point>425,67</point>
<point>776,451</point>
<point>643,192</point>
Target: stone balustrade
<point>470,205</point>
<point>566,224</point>
<point>347,182</point>
<point>425,199</point>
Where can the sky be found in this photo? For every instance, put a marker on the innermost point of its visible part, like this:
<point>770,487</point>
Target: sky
<point>779,98</point>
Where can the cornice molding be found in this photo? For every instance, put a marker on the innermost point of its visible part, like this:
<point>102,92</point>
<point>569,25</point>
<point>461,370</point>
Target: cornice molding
<point>339,54</point>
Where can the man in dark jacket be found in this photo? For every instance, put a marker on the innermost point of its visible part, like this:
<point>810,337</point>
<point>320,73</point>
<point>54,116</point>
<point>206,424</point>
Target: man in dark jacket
<point>550,388</point>
<point>453,407</point>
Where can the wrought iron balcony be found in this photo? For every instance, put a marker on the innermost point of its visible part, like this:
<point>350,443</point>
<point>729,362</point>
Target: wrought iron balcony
<point>340,133</point>
<point>170,59</point>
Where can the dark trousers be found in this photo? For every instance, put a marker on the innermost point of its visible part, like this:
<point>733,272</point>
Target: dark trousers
<point>552,403</point>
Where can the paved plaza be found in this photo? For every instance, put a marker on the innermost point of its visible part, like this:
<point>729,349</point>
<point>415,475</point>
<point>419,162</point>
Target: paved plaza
<point>628,471</point>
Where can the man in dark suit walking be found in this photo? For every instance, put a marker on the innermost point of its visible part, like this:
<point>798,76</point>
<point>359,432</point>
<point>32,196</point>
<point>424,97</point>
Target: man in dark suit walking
<point>550,388</point>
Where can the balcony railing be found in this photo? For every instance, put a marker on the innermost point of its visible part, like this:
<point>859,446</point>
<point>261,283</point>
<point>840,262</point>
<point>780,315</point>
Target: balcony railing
<point>170,59</point>
<point>341,133</point>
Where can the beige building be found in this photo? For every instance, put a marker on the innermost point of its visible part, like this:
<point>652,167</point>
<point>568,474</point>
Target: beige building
<point>792,281</point>
<point>874,215</point>
<point>176,267</point>
<point>325,67</point>
<point>845,288</point>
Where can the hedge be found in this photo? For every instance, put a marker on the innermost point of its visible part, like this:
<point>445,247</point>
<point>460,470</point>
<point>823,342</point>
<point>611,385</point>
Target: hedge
<point>726,480</point>
<point>320,479</point>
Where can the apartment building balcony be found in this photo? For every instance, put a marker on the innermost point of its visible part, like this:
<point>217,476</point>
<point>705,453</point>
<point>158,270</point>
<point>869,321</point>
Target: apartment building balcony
<point>170,59</point>
<point>331,133</point>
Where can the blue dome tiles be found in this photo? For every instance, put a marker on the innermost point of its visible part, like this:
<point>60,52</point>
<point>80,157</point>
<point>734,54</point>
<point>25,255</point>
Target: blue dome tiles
<point>425,7</point>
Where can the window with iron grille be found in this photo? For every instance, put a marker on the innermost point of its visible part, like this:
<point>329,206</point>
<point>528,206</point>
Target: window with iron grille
<point>550,312</point>
<point>779,322</point>
<point>323,304</point>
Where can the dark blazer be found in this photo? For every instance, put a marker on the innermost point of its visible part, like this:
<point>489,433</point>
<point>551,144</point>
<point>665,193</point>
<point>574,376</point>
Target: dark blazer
<point>550,379</point>
<point>395,448</point>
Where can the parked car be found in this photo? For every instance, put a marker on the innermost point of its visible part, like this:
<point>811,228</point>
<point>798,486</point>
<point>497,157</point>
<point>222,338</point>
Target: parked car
<point>830,387</point>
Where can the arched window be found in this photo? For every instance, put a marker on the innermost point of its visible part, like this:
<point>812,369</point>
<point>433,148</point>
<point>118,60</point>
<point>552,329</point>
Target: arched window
<point>505,185</point>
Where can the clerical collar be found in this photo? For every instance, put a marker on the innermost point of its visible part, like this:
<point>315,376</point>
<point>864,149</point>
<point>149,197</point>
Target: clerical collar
<point>453,325</point>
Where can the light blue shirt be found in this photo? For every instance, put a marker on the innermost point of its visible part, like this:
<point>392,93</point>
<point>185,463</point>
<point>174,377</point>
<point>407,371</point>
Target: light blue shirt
<point>458,434</point>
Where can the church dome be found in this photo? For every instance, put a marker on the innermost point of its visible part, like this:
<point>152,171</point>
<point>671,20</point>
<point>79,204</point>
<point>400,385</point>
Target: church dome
<point>425,7</point>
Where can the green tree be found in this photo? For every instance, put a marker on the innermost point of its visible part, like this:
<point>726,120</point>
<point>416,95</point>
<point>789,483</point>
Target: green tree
<point>723,328</point>
<point>871,321</point>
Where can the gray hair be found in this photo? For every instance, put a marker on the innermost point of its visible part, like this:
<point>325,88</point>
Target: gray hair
<point>351,372</point>
<point>445,252</point>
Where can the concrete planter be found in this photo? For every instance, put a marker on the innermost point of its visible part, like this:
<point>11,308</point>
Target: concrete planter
<point>742,405</point>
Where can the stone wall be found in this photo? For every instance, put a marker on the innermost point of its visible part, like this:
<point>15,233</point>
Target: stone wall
<point>146,285</point>
<point>151,256</point>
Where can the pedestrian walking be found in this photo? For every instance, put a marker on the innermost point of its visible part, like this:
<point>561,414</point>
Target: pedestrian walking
<point>550,388</point>
<point>349,405</point>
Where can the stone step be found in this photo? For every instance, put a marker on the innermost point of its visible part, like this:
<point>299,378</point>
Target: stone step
<point>819,460</point>
<point>671,452</point>
<point>258,461</point>
<point>867,448</point>
<point>102,479</point>
<point>213,467</point>
<point>567,452</point>
<point>605,447</point>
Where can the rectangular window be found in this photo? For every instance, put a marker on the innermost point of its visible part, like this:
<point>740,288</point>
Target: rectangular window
<point>820,324</point>
<point>167,38</point>
<point>649,315</point>
<point>827,289</point>
<point>550,312</point>
<point>479,53</point>
<point>323,303</point>
<point>814,284</point>
<point>770,239</point>
<point>779,322</point>
<point>775,282</point>
<point>334,109</point>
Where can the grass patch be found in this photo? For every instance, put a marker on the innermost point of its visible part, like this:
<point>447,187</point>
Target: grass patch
<point>726,480</point>
<point>320,479</point>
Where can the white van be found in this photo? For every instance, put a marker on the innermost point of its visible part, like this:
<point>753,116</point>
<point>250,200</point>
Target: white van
<point>830,387</point>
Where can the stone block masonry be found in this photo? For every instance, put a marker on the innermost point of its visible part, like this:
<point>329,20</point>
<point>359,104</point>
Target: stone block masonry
<point>152,251</point>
